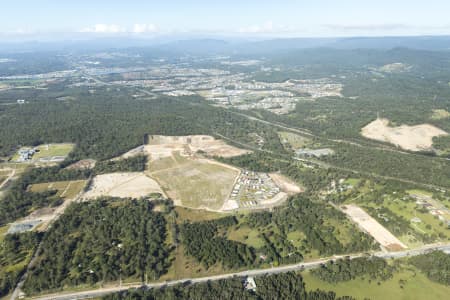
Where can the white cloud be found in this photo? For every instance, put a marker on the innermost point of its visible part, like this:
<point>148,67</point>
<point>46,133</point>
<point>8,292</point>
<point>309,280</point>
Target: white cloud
<point>265,28</point>
<point>104,28</point>
<point>367,27</point>
<point>144,28</point>
<point>113,29</point>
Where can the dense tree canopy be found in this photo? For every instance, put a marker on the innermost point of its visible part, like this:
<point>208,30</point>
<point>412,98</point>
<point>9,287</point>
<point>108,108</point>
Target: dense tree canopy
<point>276,286</point>
<point>101,241</point>
<point>347,269</point>
<point>436,265</point>
<point>15,253</point>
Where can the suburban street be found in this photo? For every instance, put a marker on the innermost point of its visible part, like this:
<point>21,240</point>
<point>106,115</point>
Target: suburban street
<point>255,272</point>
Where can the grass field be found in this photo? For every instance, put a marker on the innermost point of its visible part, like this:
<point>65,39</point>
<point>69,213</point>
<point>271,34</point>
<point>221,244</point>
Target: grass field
<point>343,230</point>
<point>295,141</point>
<point>296,238</point>
<point>407,209</point>
<point>196,183</point>
<point>420,193</point>
<point>352,181</point>
<point>187,267</point>
<point>196,215</point>
<point>49,150</point>
<point>66,189</point>
<point>417,286</point>
<point>247,236</point>
<point>439,114</point>
<point>429,224</point>
<point>53,150</point>
<point>3,231</point>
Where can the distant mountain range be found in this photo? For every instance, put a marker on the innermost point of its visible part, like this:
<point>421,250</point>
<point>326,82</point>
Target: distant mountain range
<point>231,45</point>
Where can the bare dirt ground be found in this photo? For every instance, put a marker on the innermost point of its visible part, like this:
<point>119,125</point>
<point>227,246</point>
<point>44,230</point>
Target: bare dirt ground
<point>133,152</point>
<point>414,138</point>
<point>7,178</point>
<point>395,68</point>
<point>83,164</point>
<point>277,199</point>
<point>193,182</point>
<point>285,184</point>
<point>439,114</point>
<point>133,184</point>
<point>162,145</point>
<point>372,227</point>
<point>187,177</point>
<point>68,190</point>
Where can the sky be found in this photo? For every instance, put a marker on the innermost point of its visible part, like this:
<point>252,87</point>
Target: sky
<point>274,18</point>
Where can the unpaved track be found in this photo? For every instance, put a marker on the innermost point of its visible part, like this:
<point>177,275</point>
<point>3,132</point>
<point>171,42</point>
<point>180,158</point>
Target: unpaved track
<point>368,224</point>
<point>321,164</point>
<point>8,179</point>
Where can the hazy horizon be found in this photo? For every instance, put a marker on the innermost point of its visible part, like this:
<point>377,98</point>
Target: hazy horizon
<point>48,20</point>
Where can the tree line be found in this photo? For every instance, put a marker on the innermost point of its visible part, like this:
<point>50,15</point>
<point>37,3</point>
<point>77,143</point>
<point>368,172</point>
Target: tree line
<point>276,286</point>
<point>18,201</point>
<point>203,242</point>
<point>101,241</point>
<point>435,265</point>
<point>15,253</point>
<point>347,269</point>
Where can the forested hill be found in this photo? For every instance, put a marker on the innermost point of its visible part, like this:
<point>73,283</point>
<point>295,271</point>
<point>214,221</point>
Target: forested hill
<point>109,124</point>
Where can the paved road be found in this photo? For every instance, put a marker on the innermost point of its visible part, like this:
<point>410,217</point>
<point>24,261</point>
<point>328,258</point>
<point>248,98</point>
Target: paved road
<point>256,272</point>
<point>58,213</point>
<point>331,166</point>
<point>309,133</point>
<point>342,141</point>
<point>295,267</point>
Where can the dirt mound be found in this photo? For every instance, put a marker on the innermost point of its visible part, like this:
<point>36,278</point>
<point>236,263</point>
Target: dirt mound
<point>414,138</point>
<point>285,184</point>
<point>83,164</point>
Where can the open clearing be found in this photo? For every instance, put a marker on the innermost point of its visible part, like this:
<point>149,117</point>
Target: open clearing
<point>397,67</point>
<point>415,286</point>
<point>48,152</point>
<point>439,114</point>
<point>66,189</point>
<point>294,141</point>
<point>182,170</point>
<point>193,182</point>
<point>159,144</point>
<point>40,219</point>
<point>371,226</point>
<point>123,185</point>
<point>196,215</point>
<point>179,165</point>
<point>84,164</point>
<point>285,184</point>
<point>414,138</point>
